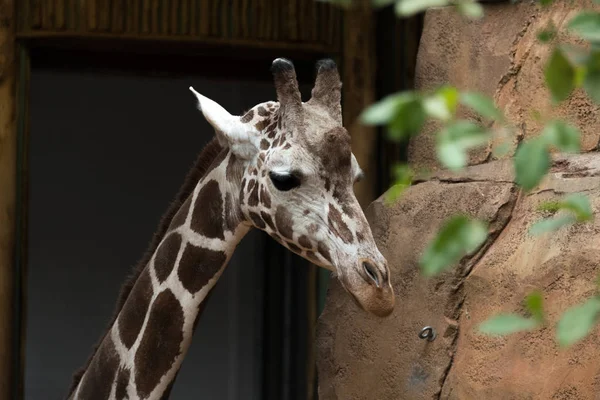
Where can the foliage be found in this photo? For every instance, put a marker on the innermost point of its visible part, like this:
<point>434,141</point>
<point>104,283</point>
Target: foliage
<point>459,236</point>
<point>404,114</point>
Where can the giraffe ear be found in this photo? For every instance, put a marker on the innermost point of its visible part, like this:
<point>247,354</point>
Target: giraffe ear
<point>231,131</point>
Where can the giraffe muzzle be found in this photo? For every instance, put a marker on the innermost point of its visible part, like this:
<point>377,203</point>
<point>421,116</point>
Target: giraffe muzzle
<point>370,288</point>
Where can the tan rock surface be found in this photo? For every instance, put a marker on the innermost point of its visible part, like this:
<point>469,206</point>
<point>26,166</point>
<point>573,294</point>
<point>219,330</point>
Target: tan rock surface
<point>500,57</point>
<point>364,357</point>
<point>564,266</point>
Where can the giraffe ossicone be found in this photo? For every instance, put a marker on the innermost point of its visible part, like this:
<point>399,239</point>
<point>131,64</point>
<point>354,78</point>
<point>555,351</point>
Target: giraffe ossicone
<point>284,167</point>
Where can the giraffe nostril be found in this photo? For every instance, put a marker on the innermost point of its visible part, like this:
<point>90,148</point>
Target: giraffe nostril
<point>372,272</point>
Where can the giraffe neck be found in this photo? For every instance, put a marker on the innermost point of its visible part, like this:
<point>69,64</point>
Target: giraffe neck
<point>143,350</point>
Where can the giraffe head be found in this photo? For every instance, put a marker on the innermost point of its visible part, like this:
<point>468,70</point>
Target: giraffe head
<point>293,171</point>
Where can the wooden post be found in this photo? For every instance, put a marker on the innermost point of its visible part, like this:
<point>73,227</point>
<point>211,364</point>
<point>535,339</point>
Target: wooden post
<point>359,92</point>
<point>8,152</point>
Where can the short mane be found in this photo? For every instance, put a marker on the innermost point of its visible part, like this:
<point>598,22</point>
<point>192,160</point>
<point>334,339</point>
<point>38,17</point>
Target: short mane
<point>203,162</point>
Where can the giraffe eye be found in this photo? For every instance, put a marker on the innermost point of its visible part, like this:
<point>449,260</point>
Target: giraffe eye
<point>284,182</point>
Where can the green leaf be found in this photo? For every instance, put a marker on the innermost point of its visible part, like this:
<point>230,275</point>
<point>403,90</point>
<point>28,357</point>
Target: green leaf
<point>531,163</point>
<point>562,135</point>
<point>546,2</point>
<point>407,8</point>
<point>577,322</point>
<point>403,114</point>
<point>546,35</point>
<point>579,205</point>
<point>403,176</point>
<point>409,120</point>
<point>470,9</point>
<point>385,110</point>
<point>456,139</point>
<point>459,236</point>
<point>550,224</point>
<point>560,76</point>
<point>481,104</point>
<point>591,81</point>
<point>505,324</point>
<point>586,24</point>
<point>436,107</point>
<point>534,303</point>
<point>442,104</point>
<point>394,193</point>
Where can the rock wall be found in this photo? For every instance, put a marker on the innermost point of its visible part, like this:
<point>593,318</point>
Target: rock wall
<point>364,357</point>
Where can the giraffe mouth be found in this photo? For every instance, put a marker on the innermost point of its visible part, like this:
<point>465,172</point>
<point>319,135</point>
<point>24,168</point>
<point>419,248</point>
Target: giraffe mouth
<point>376,300</point>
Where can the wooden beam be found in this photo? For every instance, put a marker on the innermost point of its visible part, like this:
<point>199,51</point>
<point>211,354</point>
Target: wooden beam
<point>359,92</point>
<point>8,153</point>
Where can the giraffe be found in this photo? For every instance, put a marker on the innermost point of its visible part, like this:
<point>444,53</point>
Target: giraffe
<point>285,167</point>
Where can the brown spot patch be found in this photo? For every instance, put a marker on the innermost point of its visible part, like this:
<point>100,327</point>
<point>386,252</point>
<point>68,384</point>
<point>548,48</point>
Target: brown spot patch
<point>207,220</point>
<point>98,380</point>
<point>313,228</point>
<point>305,242</point>
<point>276,142</point>
<point>260,161</point>
<point>287,146</point>
<point>294,248</point>
<point>247,117</point>
<point>258,222</point>
<point>335,151</point>
<point>349,211</point>
<point>179,218</point>
<point>272,130</point>
<point>267,218</point>
<point>334,218</point>
<point>359,236</point>
<point>265,198</point>
<point>122,382</point>
<point>253,198</point>
<point>198,266</point>
<point>327,183</point>
<point>166,255</point>
<point>251,184</point>
<point>260,125</point>
<point>283,221</point>
<point>262,111</point>
<point>131,317</point>
<point>324,251</point>
<point>312,257</point>
<point>160,344</point>
<point>264,144</point>
<point>341,195</point>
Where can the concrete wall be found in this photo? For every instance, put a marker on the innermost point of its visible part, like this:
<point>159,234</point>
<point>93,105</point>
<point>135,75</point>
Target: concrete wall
<point>364,357</point>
